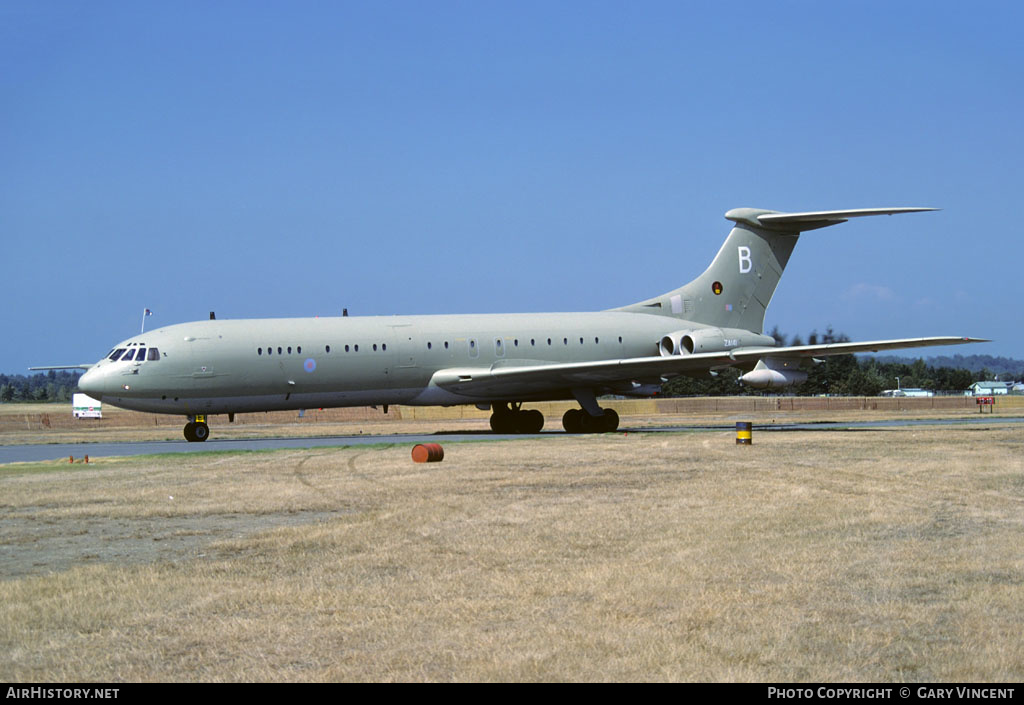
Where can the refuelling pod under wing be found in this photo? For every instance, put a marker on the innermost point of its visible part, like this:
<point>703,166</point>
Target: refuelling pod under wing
<point>774,373</point>
<point>707,340</point>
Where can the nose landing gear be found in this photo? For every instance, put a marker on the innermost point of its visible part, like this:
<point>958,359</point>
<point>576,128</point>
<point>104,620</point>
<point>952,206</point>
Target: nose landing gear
<point>196,429</point>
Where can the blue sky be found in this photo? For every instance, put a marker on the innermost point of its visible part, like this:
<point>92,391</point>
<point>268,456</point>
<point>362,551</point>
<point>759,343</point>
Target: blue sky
<point>291,159</point>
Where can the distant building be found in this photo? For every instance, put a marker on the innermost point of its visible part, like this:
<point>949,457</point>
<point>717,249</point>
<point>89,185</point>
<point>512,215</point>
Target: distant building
<point>908,392</point>
<point>988,389</point>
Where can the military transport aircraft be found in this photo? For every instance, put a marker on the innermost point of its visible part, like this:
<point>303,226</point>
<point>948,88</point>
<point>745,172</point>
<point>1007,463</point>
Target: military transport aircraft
<point>494,361</point>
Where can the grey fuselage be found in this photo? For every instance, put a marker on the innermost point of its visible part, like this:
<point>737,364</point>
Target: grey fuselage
<point>228,366</point>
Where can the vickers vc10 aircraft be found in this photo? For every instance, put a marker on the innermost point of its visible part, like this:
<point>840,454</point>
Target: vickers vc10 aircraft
<point>497,361</point>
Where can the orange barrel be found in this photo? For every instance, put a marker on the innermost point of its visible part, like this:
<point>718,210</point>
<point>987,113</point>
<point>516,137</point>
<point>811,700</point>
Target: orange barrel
<point>744,433</point>
<point>427,453</point>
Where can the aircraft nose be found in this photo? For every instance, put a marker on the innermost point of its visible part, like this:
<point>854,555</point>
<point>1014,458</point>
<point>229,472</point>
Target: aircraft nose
<point>92,383</point>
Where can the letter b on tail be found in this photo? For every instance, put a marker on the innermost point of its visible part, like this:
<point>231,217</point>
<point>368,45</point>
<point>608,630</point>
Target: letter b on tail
<point>745,262</point>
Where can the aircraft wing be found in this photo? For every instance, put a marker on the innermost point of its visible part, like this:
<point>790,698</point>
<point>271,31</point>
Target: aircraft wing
<point>826,349</point>
<point>63,367</point>
<point>511,379</point>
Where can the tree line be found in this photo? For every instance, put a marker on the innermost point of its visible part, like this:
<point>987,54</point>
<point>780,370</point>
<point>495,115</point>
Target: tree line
<point>1005,369</point>
<point>53,385</point>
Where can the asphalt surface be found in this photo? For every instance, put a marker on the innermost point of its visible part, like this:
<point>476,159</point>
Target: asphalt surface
<point>59,451</point>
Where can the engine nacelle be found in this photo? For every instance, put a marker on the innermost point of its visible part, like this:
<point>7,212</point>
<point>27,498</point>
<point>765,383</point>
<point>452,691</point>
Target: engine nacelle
<point>704,340</point>
<point>671,344</point>
<point>773,373</point>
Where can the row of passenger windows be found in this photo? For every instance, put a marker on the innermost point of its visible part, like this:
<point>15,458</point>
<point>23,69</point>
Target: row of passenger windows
<point>500,342</point>
<point>327,348</point>
<point>280,350</point>
<point>137,354</point>
<point>533,341</point>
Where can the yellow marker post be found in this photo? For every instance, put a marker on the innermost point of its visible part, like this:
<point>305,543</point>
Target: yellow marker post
<point>744,433</point>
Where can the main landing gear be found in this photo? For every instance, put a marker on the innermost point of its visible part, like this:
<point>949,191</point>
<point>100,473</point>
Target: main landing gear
<point>591,418</point>
<point>196,429</point>
<point>579,421</point>
<point>510,418</point>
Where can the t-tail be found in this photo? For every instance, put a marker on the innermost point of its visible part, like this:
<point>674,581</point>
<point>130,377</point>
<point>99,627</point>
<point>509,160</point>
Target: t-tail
<point>734,292</point>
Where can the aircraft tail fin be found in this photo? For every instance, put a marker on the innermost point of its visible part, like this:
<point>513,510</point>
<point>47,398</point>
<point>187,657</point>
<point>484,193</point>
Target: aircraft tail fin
<point>735,290</point>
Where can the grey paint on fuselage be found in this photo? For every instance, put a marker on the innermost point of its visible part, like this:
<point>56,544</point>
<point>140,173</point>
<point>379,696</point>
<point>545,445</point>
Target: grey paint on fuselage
<point>224,366</point>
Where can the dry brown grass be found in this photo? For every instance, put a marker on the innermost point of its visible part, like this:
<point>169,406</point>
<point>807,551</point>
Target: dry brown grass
<point>854,556</point>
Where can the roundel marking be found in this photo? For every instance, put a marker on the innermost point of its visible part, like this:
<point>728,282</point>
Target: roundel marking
<point>717,288</point>
<point>309,365</point>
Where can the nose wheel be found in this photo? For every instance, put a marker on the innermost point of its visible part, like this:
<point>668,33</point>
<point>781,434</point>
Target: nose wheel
<point>196,431</point>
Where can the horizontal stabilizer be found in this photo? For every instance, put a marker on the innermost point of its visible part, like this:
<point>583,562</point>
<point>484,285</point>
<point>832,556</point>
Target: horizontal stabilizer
<point>811,220</point>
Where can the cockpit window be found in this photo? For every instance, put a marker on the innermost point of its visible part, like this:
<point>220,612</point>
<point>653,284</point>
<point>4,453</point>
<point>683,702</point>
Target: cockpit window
<point>128,355</point>
<point>116,354</point>
<point>154,354</point>
<point>141,355</point>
